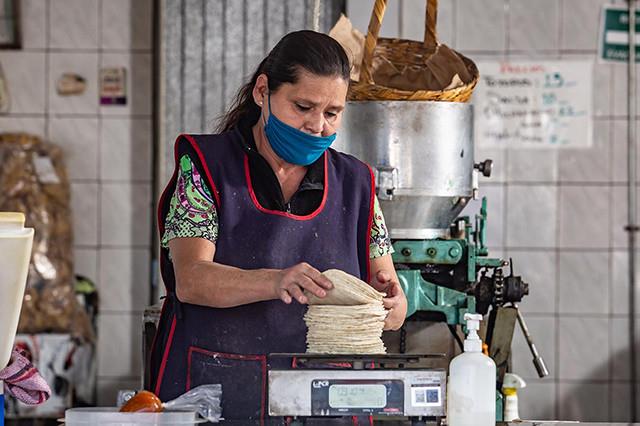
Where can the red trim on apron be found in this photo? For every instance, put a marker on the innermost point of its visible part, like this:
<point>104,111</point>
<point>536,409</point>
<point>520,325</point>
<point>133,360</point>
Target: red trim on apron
<point>195,146</point>
<point>160,219</point>
<point>165,356</point>
<point>281,213</point>
<point>171,184</point>
<point>165,194</point>
<point>371,212</point>
<point>155,335</point>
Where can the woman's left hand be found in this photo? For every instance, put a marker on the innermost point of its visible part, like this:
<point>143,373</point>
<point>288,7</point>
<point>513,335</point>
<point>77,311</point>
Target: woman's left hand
<point>395,301</point>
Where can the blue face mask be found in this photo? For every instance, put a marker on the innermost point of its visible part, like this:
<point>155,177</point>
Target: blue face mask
<point>292,145</point>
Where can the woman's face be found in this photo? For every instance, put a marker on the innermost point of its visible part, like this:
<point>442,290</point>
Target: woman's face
<point>314,104</point>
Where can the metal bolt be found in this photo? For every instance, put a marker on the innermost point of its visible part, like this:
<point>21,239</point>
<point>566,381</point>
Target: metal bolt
<point>432,252</point>
<point>454,252</point>
<point>406,251</point>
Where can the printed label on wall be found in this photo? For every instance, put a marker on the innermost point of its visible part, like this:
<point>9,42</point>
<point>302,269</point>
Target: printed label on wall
<point>113,86</point>
<point>613,38</point>
<point>544,104</point>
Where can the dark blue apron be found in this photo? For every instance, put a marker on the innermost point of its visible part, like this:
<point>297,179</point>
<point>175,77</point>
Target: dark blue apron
<point>196,345</point>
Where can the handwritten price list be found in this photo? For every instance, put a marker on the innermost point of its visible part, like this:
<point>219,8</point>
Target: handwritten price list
<point>534,104</point>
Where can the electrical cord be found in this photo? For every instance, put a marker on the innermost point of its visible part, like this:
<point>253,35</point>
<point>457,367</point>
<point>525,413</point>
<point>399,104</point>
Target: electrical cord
<point>454,332</point>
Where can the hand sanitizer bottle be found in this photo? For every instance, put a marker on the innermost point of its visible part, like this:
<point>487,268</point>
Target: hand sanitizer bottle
<point>471,394</point>
<point>512,382</point>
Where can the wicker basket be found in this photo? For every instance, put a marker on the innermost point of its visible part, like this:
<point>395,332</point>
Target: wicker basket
<point>403,53</point>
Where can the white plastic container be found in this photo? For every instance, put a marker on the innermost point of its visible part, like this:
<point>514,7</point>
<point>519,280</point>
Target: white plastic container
<point>512,383</point>
<point>15,253</point>
<point>112,417</point>
<point>471,393</point>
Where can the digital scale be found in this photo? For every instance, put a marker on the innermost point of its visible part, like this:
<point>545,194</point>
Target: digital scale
<point>316,385</point>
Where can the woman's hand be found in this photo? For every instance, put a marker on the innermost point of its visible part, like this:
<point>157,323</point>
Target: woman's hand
<point>290,283</point>
<point>395,301</point>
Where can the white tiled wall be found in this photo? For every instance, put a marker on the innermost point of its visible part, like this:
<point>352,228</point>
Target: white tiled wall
<point>108,154</point>
<point>559,214</point>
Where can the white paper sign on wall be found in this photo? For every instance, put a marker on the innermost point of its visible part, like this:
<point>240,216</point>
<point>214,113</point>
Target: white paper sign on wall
<point>534,104</point>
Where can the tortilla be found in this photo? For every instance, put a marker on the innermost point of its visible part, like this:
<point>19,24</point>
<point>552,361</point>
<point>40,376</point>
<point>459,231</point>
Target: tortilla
<point>349,320</point>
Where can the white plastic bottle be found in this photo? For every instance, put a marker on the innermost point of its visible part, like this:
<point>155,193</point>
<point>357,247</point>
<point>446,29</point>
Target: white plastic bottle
<point>471,394</point>
<point>512,382</point>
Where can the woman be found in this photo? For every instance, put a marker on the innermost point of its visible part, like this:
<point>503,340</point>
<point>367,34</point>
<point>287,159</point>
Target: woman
<point>251,217</point>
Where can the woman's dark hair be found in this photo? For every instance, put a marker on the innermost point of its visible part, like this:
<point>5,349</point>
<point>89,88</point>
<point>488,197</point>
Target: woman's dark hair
<point>306,50</point>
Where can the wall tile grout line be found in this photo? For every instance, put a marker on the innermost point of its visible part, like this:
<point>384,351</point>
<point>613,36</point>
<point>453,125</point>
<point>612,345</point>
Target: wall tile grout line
<point>203,70</point>
<point>542,315</point>
<point>244,39</point>
<point>557,305</point>
<point>81,50</point>
<point>507,26</point>
<point>183,18</point>
<point>99,284</point>
<point>611,244</point>
<point>54,114</point>
<point>223,70</point>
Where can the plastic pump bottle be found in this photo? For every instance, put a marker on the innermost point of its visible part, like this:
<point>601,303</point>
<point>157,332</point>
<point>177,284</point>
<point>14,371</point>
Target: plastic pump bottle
<point>471,394</point>
<point>512,382</point>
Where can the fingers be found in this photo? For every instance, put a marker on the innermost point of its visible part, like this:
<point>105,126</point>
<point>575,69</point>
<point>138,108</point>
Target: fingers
<point>284,296</point>
<point>391,302</point>
<point>388,321</point>
<point>302,277</point>
<point>393,298</point>
<point>316,276</point>
<point>393,290</point>
<point>310,285</point>
<point>297,294</point>
<point>394,320</point>
<point>383,276</point>
<point>382,281</point>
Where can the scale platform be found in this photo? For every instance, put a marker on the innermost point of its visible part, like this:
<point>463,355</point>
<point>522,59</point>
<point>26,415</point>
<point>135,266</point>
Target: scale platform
<point>319,385</point>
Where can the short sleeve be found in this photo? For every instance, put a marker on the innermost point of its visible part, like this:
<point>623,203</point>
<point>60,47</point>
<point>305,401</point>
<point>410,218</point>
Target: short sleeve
<point>380,243</point>
<point>192,212</point>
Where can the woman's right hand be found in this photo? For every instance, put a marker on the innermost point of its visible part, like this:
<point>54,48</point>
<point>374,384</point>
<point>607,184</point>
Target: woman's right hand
<point>290,283</point>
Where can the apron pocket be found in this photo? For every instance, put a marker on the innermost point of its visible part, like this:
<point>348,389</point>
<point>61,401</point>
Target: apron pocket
<point>243,380</point>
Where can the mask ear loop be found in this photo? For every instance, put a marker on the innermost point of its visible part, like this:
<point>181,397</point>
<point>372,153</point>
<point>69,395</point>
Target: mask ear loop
<point>264,121</point>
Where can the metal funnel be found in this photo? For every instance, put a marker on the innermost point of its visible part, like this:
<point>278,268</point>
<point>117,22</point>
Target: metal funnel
<point>422,156</point>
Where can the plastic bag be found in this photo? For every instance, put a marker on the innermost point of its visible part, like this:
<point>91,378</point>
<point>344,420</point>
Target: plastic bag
<point>33,180</point>
<point>204,399</point>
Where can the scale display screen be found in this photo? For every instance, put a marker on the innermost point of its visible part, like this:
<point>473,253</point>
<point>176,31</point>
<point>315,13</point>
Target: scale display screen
<point>342,397</point>
<point>357,396</point>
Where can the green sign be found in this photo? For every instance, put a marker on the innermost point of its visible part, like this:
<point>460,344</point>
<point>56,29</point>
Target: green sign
<point>614,34</point>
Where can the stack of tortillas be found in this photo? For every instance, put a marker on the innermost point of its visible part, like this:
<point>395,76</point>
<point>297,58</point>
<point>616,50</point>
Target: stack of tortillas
<point>349,320</point>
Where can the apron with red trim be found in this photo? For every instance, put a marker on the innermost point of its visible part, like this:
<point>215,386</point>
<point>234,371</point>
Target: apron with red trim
<point>197,345</point>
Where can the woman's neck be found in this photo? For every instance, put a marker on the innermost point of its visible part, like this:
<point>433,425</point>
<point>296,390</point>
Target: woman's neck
<point>279,166</point>
<point>289,175</point>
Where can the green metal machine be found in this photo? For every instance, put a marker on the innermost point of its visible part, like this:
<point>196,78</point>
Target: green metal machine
<point>422,155</point>
<point>450,276</point>
<point>460,260</point>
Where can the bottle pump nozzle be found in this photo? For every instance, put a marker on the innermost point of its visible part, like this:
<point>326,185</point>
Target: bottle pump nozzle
<point>473,343</point>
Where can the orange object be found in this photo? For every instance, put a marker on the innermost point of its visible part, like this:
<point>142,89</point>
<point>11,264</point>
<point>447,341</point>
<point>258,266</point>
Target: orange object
<point>142,402</point>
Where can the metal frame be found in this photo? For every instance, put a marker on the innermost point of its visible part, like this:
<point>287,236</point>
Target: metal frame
<point>632,226</point>
<point>17,29</point>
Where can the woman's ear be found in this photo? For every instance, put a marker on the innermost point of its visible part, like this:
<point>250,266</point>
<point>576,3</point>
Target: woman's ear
<point>260,90</point>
